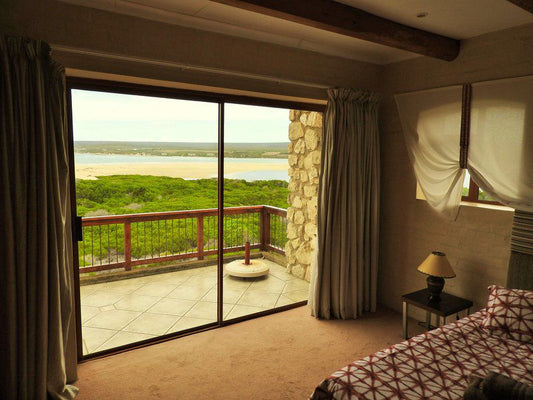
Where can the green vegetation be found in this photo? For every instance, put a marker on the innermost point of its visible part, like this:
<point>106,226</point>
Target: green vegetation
<point>484,196</point>
<point>481,195</point>
<point>131,194</point>
<point>184,149</point>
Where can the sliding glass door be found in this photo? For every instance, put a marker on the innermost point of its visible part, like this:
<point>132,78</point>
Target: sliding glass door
<point>165,247</point>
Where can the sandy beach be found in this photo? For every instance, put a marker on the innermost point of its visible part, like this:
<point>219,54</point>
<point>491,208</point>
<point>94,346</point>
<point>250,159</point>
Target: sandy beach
<point>187,170</point>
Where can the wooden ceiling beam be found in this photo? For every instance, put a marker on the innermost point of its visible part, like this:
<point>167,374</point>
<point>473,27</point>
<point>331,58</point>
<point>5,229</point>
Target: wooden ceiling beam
<point>525,4</point>
<point>345,20</point>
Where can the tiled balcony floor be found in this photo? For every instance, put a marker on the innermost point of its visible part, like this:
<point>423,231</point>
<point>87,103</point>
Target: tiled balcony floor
<point>121,312</point>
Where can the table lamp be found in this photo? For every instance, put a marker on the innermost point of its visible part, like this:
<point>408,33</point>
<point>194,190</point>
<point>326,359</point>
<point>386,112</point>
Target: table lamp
<point>437,267</point>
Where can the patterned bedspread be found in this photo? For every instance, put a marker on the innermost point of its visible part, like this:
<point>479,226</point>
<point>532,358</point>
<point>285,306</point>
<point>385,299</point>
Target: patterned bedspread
<point>433,365</point>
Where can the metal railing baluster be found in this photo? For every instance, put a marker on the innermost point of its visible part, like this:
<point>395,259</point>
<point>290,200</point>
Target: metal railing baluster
<point>263,226</point>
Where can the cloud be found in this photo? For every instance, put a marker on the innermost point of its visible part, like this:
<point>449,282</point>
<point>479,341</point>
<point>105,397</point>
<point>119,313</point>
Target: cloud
<point>101,106</point>
<point>117,117</point>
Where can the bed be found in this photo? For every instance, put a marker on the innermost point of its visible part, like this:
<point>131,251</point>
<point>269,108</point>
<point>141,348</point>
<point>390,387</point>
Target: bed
<point>434,365</point>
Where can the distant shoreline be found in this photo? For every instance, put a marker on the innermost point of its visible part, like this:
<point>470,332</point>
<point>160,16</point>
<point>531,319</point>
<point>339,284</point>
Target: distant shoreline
<point>267,155</point>
<point>184,169</point>
<point>183,149</point>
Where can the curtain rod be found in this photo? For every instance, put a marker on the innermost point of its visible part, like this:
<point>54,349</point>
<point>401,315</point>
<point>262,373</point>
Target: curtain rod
<point>184,67</point>
<point>509,78</point>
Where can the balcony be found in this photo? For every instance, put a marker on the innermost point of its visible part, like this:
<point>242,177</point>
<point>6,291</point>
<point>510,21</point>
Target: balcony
<point>132,240</point>
<point>150,274</point>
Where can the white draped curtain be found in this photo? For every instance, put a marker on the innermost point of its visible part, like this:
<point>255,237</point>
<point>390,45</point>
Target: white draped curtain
<point>500,154</point>
<point>431,123</point>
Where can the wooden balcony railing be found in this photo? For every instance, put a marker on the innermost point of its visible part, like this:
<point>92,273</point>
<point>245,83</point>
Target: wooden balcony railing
<point>124,241</point>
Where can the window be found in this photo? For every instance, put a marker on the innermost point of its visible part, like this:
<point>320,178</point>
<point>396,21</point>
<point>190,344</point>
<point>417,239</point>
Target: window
<point>473,193</point>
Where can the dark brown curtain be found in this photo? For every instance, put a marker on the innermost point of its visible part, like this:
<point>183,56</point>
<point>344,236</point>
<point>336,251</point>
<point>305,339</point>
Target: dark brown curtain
<point>37,335</point>
<point>344,276</point>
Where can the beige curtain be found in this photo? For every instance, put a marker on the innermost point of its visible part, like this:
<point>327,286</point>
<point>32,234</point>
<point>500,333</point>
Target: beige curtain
<point>37,335</point>
<point>500,154</point>
<point>431,121</point>
<point>345,276</point>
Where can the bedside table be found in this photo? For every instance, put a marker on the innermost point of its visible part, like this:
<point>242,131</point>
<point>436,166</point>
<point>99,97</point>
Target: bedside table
<point>447,306</point>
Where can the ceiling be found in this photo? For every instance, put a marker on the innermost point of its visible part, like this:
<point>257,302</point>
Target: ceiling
<point>458,19</point>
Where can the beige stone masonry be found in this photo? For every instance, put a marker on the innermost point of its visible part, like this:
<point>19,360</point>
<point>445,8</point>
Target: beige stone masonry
<point>305,134</point>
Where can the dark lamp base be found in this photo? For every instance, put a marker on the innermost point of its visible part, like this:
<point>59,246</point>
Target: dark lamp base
<point>435,286</point>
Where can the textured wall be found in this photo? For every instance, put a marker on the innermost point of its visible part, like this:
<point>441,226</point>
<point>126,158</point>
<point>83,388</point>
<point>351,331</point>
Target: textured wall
<point>477,243</point>
<point>305,134</point>
<point>140,41</point>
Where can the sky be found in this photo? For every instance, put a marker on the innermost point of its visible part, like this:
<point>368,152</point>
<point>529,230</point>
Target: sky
<point>104,116</point>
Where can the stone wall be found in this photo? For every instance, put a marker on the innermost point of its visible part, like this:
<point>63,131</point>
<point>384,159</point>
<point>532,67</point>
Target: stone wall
<point>305,134</point>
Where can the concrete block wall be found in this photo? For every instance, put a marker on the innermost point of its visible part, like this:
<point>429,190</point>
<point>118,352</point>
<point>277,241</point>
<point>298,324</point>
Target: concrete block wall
<point>128,46</point>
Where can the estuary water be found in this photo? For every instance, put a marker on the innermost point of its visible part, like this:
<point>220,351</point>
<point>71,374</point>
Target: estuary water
<point>279,169</point>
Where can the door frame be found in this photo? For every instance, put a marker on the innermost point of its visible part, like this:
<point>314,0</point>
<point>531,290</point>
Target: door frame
<point>180,94</point>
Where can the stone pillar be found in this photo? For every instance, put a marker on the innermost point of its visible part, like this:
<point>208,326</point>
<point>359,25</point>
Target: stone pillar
<point>305,134</point>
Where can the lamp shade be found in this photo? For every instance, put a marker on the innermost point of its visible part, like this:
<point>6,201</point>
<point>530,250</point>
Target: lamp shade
<point>436,264</point>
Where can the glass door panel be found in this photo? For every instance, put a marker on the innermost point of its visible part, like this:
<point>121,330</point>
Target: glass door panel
<point>147,191</point>
<point>255,211</point>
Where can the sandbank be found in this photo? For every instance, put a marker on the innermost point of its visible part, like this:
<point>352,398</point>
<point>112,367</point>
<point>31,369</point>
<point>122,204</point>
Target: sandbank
<point>186,170</point>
